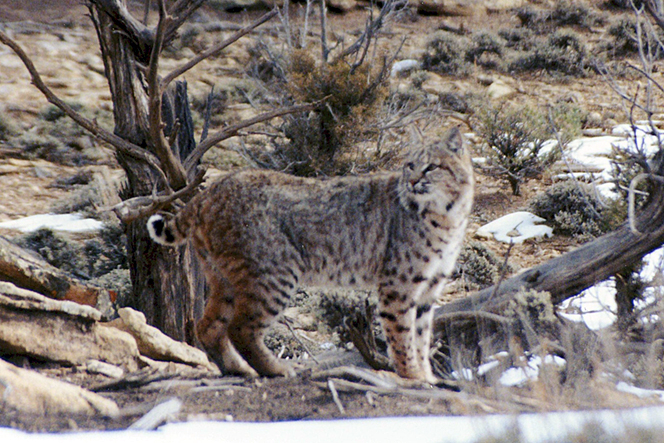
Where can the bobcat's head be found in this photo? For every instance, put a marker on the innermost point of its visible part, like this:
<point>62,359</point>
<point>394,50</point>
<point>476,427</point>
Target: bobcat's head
<point>438,176</point>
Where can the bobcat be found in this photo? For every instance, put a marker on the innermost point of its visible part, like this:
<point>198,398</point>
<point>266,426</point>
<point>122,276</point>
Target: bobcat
<point>262,234</point>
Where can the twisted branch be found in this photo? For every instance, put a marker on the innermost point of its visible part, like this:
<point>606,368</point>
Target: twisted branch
<point>122,145</point>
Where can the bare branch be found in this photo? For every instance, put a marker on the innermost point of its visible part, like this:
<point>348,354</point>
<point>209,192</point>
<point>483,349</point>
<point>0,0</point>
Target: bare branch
<point>371,28</point>
<point>118,143</point>
<point>139,207</point>
<point>180,12</point>
<point>655,13</point>
<point>230,131</point>
<point>646,75</point>
<point>216,49</point>
<point>137,31</point>
<point>171,166</point>
<point>146,12</point>
<point>325,51</point>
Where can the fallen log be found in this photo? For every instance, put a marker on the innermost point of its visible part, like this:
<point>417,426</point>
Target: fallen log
<point>27,270</point>
<point>569,274</point>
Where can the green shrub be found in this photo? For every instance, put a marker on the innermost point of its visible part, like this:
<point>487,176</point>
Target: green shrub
<point>624,39</point>
<point>92,258</point>
<point>486,50</point>
<point>52,113</point>
<point>515,139</point>
<point>33,145</point>
<point>455,102</point>
<point>325,142</point>
<point>8,127</point>
<point>517,38</point>
<point>445,54</point>
<point>623,4</point>
<point>572,209</point>
<point>53,248</point>
<point>479,266</point>
<point>564,13</point>
<point>562,53</point>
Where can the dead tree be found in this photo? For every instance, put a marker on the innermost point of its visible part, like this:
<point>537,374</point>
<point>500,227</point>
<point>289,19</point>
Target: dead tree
<point>154,144</point>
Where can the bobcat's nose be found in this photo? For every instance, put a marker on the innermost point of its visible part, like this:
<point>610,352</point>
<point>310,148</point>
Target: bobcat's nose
<point>419,186</point>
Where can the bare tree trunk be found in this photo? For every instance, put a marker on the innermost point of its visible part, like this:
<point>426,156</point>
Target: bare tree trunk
<point>167,285</point>
<point>154,143</point>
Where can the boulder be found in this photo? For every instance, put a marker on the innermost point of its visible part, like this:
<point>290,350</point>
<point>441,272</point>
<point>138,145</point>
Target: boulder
<point>451,7</point>
<point>33,393</point>
<point>466,7</point>
<point>341,5</point>
<point>155,344</point>
<point>502,5</point>
<point>499,90</point>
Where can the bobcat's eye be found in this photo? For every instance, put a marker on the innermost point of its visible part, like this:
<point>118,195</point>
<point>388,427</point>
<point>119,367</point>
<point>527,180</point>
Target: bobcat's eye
<point>431,168</point>
<point>411,166</point>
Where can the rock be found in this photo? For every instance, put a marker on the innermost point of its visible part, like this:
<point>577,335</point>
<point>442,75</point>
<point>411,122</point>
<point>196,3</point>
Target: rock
<point>466,7</point>
<point>99,367</point>
<point>435,84</point>
<point>499,90</point>
<point>33,393</point>
<point>502,5</point>
<point>594,119</point>
<point>28,270</point>
<point>451,7</point>
<point>65,332</point>
<point>342,5</point>
<point>404,67</point>
<point>18,298</point>
<point>155,344</point>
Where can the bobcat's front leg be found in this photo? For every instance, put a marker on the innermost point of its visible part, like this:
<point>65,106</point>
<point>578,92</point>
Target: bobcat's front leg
<point>401,320</point>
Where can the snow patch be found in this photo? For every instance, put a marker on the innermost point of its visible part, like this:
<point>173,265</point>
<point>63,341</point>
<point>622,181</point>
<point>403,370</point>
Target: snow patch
<point>531,428</point>
<point>515,228</point>
<point>640,392</point>
<point>529,370</point>
<point>56,222</point>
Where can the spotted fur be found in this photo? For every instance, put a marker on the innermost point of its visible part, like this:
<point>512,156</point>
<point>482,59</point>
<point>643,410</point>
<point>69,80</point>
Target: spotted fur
<point>261,235</point>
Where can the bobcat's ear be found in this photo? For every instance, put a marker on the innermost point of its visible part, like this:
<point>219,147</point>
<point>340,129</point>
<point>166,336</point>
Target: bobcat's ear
<point>453,139</point>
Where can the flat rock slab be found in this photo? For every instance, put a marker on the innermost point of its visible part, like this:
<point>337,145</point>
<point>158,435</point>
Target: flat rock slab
<point>33,393</point>
<point>65,332</point>
<point>155,344</point>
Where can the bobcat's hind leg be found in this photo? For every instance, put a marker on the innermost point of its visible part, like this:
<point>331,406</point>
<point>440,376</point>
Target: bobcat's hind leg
<point>212,329</point>
<point>254,313</point>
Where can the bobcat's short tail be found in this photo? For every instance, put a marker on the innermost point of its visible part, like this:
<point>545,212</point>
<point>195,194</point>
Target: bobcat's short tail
<point>164,231</point>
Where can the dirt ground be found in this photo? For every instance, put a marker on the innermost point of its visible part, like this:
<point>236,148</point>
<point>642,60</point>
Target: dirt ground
<point>66,39</point>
